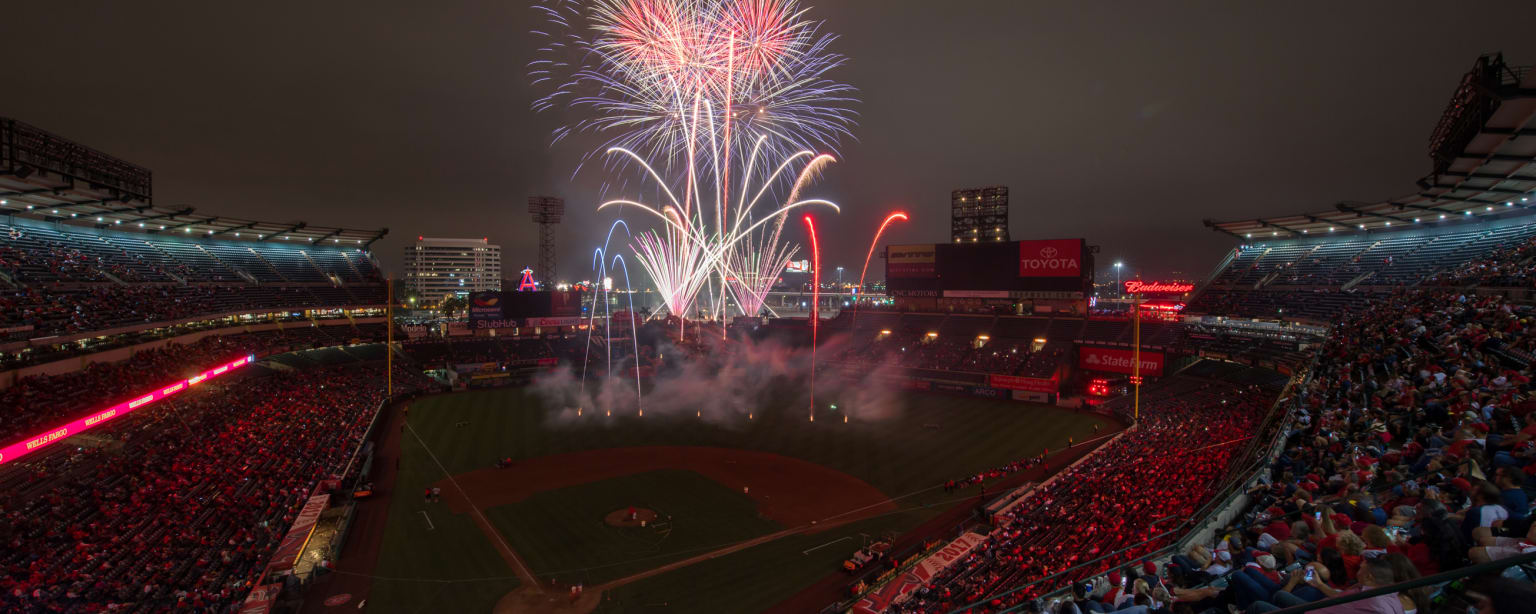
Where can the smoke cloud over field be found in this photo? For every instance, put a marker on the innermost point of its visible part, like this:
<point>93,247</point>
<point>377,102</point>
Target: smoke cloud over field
<point>724,384</point>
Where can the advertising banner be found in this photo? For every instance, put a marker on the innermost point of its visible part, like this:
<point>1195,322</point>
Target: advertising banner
<point>1019,382</point>
<point>475,367</point>
<point>910,260</point>
<point>60,433</point>
<point>987,392</point>
<point>569,321</point>
<point>485,306</point>
<point>1138,286</point>
<point>1051,258</point>
<point>1032,397</point>
<point>564,304</point>
<point>292,544</point>
<point>898,589</point>
<point>1117,360</point>
<point>976,294</point>
<point>261,599</point>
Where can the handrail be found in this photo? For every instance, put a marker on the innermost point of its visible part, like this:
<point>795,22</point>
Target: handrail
<point>1444,576</point>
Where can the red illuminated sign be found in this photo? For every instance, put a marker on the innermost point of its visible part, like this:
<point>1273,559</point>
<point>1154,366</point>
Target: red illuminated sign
<point>527,284</point>
<point>1116,360</point>
<point>1137,286</point>
<point>1019,382</point>
<point>1099,387</point>
<point>36,442</point>
<point>1053,258</point>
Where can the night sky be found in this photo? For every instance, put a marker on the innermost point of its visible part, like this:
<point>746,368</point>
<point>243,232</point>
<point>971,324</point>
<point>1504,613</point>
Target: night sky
<point>1125,123</point>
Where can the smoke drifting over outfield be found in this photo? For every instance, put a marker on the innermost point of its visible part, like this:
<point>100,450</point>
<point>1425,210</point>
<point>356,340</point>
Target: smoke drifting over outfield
<point>723,385</point>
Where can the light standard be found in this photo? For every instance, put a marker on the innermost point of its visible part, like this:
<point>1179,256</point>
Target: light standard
<point>1119,287</point>
<point>839,279</point>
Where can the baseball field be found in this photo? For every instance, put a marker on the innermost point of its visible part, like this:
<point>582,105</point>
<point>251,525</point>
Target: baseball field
<point>739,514</point>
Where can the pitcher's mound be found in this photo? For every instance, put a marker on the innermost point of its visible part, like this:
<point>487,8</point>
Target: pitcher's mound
<point>622,518</point>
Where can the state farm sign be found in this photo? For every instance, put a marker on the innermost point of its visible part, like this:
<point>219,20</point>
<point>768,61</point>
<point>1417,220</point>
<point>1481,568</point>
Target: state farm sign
<point>1114,360</point>
<point>1053,258</point>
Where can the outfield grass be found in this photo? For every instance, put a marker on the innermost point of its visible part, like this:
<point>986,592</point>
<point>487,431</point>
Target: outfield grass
<point>934,438</point>
<point>561,533</point>
<point>755,579</point>
<point>449,567</point>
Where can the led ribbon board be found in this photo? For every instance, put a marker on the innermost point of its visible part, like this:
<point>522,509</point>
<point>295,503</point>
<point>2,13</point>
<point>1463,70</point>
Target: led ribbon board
<point>52,436</point>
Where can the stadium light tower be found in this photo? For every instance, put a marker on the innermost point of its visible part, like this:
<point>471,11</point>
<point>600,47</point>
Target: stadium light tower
<point>546,211</point>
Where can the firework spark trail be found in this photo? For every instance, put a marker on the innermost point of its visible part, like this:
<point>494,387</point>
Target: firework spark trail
<point>637,63</point>
<point>682,258</point>
<point>810,229</point>
<point>874,242</point>
<point>634,331</point>
<point>766,252</point>
<point>600,267</point>
<point>692,84</point>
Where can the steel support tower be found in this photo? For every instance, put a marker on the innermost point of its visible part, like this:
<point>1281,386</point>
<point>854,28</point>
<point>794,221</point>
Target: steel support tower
<point>546,211</point>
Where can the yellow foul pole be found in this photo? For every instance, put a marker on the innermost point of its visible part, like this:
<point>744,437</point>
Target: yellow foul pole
<point>1136,358</point>
<point>389,336</point>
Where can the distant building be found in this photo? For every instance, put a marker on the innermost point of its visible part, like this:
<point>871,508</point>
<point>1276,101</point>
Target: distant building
<point>439,268</point>
<point>979,215</point>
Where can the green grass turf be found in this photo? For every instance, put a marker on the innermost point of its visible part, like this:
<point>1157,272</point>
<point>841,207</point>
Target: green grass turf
<point>754,579</point>
<point>420,568</point>
<point>933,438</point>
<point>563,535</point>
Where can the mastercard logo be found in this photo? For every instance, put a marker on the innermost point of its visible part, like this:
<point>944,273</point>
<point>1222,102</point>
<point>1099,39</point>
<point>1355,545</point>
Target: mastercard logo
<point>487,301</point>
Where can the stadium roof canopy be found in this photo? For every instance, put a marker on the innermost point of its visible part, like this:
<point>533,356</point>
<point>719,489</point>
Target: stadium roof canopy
<point>49,178</point>
<point>1484,154</point>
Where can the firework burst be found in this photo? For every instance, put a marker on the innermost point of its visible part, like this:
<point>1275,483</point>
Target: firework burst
<point>643,66</point>
<point>706,245</point>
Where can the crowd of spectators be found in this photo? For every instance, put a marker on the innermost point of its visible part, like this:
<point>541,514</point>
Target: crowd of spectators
<point>54,310</point>
<point>1512,266</point>
<point>919,351</point>
<point>60,283</point>
<point>1411,454</point>
<point>185,515</point>
<point>439,352</point>
<point>1410,451</point>
<point>1190,428</point>
<point>39,401</point>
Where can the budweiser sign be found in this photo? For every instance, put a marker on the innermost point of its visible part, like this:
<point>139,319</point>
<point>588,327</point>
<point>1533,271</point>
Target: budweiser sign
<point>1115,360</point>
<point>1137,286</point>
<point>1053,258</point>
